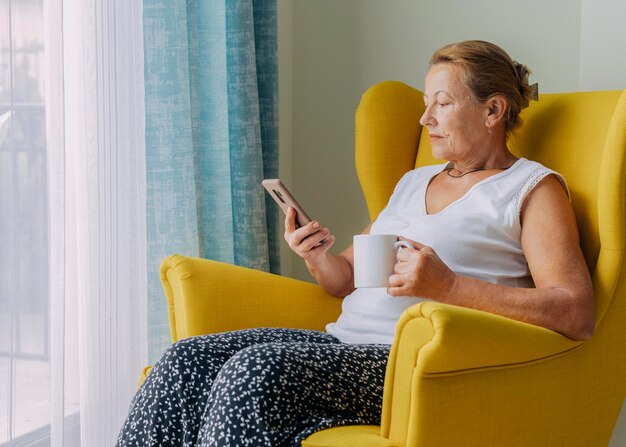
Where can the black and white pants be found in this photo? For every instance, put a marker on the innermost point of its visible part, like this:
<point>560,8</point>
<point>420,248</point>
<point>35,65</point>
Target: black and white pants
<point>255,387</point>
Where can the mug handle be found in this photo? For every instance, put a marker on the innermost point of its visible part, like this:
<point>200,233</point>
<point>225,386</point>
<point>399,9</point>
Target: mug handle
<point>399,244</point>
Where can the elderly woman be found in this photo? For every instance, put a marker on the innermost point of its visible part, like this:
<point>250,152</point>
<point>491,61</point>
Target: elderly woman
<point>488,231</point>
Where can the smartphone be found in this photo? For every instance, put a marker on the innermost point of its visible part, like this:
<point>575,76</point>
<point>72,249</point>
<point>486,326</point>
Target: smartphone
<point>284,199</point>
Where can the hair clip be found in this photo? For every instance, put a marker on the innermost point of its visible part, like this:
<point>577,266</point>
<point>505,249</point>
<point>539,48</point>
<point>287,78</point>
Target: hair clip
<point>534,91</point>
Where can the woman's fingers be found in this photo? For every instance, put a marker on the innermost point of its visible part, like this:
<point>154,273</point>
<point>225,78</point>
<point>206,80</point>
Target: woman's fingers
<point>302,234</point>
<point>415,244</point>
<point>314,240</point>
<point>396,285</point>
<point>325,243</point>
<point>290,221</point>
<point>307,238</point>
<point>297,235</point>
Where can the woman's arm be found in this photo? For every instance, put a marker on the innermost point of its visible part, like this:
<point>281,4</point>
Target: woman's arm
<point>562,299</point>
<point>333,272</point>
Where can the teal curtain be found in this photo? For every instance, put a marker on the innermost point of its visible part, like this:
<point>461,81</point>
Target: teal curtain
<point>211,137</point>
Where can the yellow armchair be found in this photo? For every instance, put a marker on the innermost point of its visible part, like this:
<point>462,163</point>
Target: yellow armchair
<point>455,376</point>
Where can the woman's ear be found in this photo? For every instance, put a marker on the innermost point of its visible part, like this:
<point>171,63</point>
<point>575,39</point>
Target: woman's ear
<point>497,107</point>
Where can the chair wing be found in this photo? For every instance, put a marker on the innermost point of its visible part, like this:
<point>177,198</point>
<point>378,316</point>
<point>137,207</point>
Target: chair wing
<point>387,135</point>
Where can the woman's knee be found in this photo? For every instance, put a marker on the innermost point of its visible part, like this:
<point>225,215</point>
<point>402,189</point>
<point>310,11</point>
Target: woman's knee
<point>182,355</point>
<point>254,366</point>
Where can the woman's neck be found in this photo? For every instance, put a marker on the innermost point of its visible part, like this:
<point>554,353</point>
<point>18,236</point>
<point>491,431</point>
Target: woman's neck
<point>495,160</point>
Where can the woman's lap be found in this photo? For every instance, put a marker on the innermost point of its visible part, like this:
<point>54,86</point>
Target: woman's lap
<point>278,393</point>
<point>256,387</point>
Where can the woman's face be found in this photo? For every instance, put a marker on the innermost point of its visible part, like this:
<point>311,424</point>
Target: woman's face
<point>456,122</point>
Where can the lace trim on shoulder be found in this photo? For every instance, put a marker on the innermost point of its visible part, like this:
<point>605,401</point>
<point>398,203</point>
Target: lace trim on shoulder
<point>533,179</point>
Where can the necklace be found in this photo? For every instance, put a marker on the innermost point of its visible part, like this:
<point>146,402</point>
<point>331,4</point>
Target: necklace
<point>469,172</point>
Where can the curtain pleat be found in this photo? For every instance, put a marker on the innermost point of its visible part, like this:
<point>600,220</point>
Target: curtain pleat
<point>171,207</point>
<point>94,117</point>
<point>266,50</point>
<point>211,137</point>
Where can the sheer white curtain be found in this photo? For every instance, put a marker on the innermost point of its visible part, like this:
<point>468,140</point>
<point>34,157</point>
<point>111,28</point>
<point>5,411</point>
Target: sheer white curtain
<point>97,237</point>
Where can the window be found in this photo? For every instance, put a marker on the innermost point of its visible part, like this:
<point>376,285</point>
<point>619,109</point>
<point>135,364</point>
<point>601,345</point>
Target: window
<point>24,307</point>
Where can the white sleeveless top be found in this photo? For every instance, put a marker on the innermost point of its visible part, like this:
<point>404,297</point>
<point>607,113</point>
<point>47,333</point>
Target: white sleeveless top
<point>478,235</point>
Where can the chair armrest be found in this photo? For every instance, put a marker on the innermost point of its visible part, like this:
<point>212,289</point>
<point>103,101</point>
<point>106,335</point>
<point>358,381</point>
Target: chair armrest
<point>207,296</point>
<point>144,374</point>
<point>465,339</point>
<point>438,340</point>
<point>435,342</point>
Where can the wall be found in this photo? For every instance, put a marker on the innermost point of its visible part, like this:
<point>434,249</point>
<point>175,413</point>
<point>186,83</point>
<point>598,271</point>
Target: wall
<point>397,38</point>
<point>324,95</point>
<point>331,51</point>
<point>603,45</point>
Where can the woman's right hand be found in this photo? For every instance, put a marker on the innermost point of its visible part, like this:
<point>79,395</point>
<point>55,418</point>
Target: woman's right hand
<point>305,241</point>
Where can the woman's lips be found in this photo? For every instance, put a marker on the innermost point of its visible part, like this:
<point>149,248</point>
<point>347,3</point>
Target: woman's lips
<point>435,137</point>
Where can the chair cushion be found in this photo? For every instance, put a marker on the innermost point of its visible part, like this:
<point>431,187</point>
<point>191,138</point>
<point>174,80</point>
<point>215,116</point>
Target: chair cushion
<point>348,436</point>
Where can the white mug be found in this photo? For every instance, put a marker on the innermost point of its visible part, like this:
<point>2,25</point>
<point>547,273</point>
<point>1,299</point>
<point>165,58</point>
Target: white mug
<point>374,258</point>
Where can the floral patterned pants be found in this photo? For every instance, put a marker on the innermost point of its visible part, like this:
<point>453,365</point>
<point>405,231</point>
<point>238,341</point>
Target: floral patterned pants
<point>255,387</point>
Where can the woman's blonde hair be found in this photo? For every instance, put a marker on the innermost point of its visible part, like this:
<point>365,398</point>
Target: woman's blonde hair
<point>488,70</point>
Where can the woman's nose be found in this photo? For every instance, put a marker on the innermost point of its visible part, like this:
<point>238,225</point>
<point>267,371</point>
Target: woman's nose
<point>426,117</point>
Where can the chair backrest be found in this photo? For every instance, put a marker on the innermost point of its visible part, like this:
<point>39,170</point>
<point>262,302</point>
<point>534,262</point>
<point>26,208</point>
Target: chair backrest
<point>580,135</point>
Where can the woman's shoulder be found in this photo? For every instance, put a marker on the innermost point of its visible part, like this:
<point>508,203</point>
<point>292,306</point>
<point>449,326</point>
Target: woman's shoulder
<point>532,174</point>
<point>535,166</point>
<point>532,164</point>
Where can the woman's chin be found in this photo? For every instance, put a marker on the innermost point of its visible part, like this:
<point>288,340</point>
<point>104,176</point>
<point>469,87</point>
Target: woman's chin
<point>440,153</point>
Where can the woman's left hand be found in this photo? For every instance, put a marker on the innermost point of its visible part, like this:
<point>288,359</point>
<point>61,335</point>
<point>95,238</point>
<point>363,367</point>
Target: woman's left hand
<point>419,272</point>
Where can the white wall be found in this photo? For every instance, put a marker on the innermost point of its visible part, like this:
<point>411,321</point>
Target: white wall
<point>603,45</point>
<point>396,38</point>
